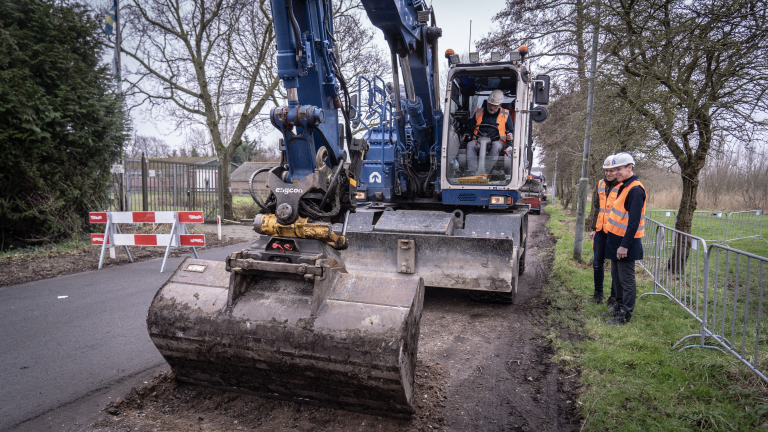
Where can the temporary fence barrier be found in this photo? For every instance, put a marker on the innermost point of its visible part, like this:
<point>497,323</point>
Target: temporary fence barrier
<point>710,226</point>
<point>714,226</point>
<point>178,238</point>
<point>719,286</point>
<point>733,306</point>
<point>664,217</point>
<point>649,247</point>
<point>744,225</point>
<point>677,263</point>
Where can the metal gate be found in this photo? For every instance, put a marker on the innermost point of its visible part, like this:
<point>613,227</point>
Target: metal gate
<point>144,185</point>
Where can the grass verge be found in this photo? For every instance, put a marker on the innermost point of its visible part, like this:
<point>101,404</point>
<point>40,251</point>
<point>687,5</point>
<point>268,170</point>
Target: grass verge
<point>632,379</point>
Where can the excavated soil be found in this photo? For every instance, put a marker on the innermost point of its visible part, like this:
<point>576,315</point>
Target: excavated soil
<point>25,268</point>
<point>483,367</point>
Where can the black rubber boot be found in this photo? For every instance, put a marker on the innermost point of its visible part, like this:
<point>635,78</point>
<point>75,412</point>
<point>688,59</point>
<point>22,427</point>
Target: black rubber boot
<point>619,319</point>
<point>611,303</point>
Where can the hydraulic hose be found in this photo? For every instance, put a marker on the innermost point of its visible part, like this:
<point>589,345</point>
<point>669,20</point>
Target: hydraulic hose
<point>295,27</point>
<point>335,179</point>
<point>250,188</point>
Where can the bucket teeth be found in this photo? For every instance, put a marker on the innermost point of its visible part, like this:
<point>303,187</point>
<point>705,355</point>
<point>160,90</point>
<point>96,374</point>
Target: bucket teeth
<point>341,340</point>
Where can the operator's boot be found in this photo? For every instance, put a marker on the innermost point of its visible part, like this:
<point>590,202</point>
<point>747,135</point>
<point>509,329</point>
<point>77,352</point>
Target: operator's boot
<point>611,303</point>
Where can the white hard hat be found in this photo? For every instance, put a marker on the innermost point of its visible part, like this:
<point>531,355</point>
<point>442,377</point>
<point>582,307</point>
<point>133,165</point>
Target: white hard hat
<point>496,97</point>
<point>623,159</point>
<point>607,162</point>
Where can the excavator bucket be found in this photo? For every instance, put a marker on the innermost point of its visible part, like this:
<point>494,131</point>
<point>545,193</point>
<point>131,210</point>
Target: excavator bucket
<point>292,326</point>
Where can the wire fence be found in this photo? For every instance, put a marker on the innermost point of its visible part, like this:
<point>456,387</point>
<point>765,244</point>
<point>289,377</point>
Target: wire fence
<point>719,286</point>
<point>148,185</point>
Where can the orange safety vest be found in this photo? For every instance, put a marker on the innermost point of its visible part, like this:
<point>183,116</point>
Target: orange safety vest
<point>501,122</point>
<point>618,217</point>
<point>605,206</point>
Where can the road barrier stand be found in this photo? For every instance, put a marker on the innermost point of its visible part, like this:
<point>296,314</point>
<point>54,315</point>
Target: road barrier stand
<point>178,238</point>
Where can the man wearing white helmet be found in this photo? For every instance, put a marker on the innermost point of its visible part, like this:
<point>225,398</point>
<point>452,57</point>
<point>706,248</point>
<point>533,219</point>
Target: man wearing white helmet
<point>599,232</point>
<point>492,114</point>
<point>626,227</point>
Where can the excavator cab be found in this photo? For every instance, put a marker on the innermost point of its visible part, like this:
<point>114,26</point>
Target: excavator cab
<point>480,165</point>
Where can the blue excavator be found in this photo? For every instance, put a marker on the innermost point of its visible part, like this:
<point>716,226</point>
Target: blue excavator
<point>324,307</point>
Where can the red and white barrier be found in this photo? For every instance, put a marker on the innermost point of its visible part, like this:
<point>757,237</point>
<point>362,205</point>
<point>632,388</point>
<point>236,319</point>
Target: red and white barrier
<point>186,240</point>
<point>148,217</point>
<point>178,238</point>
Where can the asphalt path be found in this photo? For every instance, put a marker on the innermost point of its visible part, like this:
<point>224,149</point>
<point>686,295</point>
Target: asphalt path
<point>68,338</point>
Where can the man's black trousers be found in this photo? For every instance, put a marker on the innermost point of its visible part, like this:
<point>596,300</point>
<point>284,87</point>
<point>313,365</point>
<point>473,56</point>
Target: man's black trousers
<point>623,274</point>
<point>598,264</point>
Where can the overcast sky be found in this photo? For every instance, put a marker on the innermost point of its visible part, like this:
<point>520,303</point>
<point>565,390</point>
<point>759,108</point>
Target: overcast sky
<point>453,16</point>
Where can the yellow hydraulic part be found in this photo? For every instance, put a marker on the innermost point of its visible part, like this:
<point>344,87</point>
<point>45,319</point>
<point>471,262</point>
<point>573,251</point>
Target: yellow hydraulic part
<point>302,228</point>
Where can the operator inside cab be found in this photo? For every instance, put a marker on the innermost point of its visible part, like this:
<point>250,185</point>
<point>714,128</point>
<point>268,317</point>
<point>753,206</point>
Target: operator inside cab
<point>493,114</point>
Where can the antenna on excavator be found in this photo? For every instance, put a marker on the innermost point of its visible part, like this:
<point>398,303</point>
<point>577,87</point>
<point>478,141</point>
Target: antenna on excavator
<point>470,37</point>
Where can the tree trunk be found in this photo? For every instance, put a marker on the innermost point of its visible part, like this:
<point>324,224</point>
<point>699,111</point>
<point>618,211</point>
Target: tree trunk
<point>684,222</point>
<point>226,193</point>
<point>567,193</point>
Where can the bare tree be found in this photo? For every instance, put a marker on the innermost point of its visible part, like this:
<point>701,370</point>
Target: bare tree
<point>553,30</point>
<point>151,147</point>
<point>214,64</point>
<point>196,59</point>
<point>690,69</point>
<point>355,39</point>
<point>199,140</point>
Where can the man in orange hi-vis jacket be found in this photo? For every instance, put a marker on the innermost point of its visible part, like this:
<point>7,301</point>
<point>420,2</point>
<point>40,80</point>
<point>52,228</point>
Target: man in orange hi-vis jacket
<point>599,233</point>
<point>626,227</point>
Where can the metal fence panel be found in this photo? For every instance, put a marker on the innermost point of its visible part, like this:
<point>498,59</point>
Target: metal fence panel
<point>719,286</point>
<point>650,249</point>
<point>744,225</point>
<point>664,217</point>
<point>733,312</point>
<point>677,264</point>
<point>165,186</point>
<point>710,226</point>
